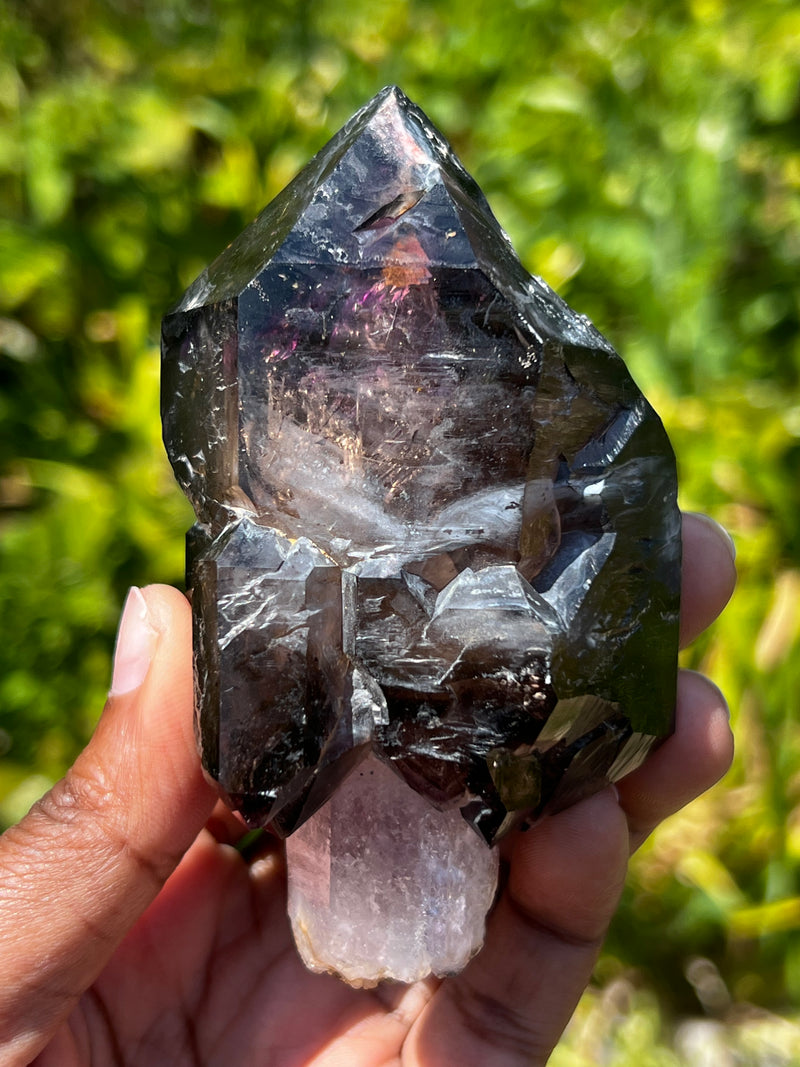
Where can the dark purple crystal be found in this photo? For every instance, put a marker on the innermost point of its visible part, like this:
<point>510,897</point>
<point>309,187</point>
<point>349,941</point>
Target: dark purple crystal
<point>436,517</point>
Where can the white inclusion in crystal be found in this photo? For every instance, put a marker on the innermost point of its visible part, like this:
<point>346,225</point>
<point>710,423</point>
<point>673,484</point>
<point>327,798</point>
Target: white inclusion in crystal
<point>384,886</point>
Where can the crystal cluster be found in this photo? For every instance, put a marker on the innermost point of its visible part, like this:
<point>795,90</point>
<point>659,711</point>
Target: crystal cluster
<point>436,532</point>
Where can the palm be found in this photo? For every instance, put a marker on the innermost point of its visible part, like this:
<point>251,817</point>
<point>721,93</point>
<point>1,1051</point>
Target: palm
<point>212,966</point>
<point>104,963</point>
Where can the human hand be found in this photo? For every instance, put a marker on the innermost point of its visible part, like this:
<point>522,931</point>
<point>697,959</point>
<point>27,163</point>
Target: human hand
<point>133,932</point>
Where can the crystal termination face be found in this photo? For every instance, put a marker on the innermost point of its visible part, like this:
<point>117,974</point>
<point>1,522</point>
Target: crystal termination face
<point>436,519</point>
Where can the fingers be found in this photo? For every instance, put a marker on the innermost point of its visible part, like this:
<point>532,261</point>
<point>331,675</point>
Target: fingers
<point>509,1007</point>
<point>696,756</point>
<point>511,1004</point>
<point>78,871</point>
<point>709,574</point>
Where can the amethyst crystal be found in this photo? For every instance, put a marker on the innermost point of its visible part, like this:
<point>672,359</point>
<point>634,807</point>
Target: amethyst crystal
<point>436,517</point>
<point>383,885</point>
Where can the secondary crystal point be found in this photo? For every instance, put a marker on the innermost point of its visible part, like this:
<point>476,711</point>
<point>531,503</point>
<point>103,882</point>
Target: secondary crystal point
<point>436,517</point>
<point>382,885</point>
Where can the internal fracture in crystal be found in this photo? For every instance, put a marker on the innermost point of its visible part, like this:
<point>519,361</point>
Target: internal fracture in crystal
<point>436,519</point>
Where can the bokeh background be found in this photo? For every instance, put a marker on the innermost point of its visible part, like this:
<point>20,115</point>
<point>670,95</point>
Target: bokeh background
<point>645,159</point>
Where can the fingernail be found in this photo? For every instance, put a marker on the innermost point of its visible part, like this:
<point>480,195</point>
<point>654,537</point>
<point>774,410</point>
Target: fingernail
<point>136,641</point>
<point>719,529</point>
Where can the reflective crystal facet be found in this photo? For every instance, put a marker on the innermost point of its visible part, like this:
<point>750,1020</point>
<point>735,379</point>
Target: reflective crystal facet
<point>436,519</point>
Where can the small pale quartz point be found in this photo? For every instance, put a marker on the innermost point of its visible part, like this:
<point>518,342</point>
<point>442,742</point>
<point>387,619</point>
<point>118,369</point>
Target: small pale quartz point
<point>384,886</point>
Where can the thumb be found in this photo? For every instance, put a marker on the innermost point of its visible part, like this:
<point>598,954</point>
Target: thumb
<point>87,860</point>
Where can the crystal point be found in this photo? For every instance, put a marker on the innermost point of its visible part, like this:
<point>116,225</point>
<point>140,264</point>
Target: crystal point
<point>382,885</point>
<point>436,519</point>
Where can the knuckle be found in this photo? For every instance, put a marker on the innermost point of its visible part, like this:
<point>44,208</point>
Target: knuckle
<point>80,793</point>
<point>95,815</point>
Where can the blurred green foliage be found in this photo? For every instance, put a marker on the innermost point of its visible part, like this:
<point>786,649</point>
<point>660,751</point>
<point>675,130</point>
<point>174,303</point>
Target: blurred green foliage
<point>645,159</point>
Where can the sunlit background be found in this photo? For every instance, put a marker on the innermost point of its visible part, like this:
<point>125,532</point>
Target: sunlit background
<point>645,159</point>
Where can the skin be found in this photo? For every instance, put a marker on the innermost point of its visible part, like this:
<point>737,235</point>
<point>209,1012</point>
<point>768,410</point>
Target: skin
<point>132,932</point>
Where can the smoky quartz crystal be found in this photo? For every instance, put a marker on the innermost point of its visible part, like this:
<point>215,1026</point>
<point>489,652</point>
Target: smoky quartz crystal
<point>436,518</point>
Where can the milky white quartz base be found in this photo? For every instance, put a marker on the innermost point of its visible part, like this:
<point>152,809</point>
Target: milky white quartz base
<point>382,885</point>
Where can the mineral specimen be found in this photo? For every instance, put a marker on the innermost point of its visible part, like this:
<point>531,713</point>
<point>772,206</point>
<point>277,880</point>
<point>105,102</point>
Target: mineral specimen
<point>437,536</point>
